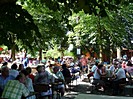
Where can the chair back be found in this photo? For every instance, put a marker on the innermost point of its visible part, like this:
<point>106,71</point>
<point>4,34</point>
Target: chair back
<point>41,87</point>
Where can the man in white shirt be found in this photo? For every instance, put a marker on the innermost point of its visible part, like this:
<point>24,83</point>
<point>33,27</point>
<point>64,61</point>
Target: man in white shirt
<point>120,78</point>
<point>14,72</point>
<point>94,67</point>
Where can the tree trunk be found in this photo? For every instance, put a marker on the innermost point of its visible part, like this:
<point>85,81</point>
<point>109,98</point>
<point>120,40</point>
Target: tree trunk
<point>100,54</point>
<point>118,53</point>
<point>100,38</point>
<point>40,55</point>
<point>62,53</point>
<point>13,53</point>
<point>111,55</point>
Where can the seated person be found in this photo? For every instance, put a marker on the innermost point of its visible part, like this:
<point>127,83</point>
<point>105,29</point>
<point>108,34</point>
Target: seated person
<point>94,67</point>
<point>29,69</point>
<point>119,78</point>
<point>43,77</point>
<point>104,71</point>
<point>14,72</point>
<point>4,77</point>
<point>20,67</point>
<point>74,68</point>
<point>59,77</point>
<point>28,83</point>
<point>15,89</point>
<point>113,68</point>
<point>97,77</point>
<point>49,68</point>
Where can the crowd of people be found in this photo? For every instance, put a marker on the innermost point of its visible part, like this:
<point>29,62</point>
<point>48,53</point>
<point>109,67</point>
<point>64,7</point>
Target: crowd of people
<point>113,76</point>
<point>19,80</point>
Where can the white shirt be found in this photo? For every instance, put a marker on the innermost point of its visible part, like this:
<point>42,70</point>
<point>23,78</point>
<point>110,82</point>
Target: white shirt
<point>112,68</point>
<point>94,67</point>
<point>72,64</point>
<point>120,74</point>
<point>29,85</point>
<point>13,72</point>
<point>96,74</point>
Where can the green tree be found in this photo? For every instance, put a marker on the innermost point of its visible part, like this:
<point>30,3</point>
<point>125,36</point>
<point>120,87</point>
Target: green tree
<point>108,32</point>
<point>17,27</point>
<point>52,24</point>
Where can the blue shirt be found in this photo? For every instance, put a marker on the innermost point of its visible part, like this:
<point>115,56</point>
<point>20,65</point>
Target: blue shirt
<point>3,81</point>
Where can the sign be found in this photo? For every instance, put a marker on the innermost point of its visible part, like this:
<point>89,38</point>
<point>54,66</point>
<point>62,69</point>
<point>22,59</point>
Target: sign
<point>78,51</point>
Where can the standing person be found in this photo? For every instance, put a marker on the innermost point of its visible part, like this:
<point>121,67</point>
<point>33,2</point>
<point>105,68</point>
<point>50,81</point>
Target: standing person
<point>4,77</point>
<point>66,73</point>
<point>25,61</point>
<point>15,89</point>
<point>84,62</point>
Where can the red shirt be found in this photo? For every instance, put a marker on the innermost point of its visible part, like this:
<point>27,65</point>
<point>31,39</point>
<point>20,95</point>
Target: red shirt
<point>32,77</point>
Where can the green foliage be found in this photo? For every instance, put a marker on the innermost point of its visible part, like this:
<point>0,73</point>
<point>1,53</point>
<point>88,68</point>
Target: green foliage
<point>109,32</point>
<point>96,7</point>
<point>67,53</point>
<point>52,24</point>
<point>96,22</point>
<point>17,25</point>
<point>53,53</point>
<point>127,19</point>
